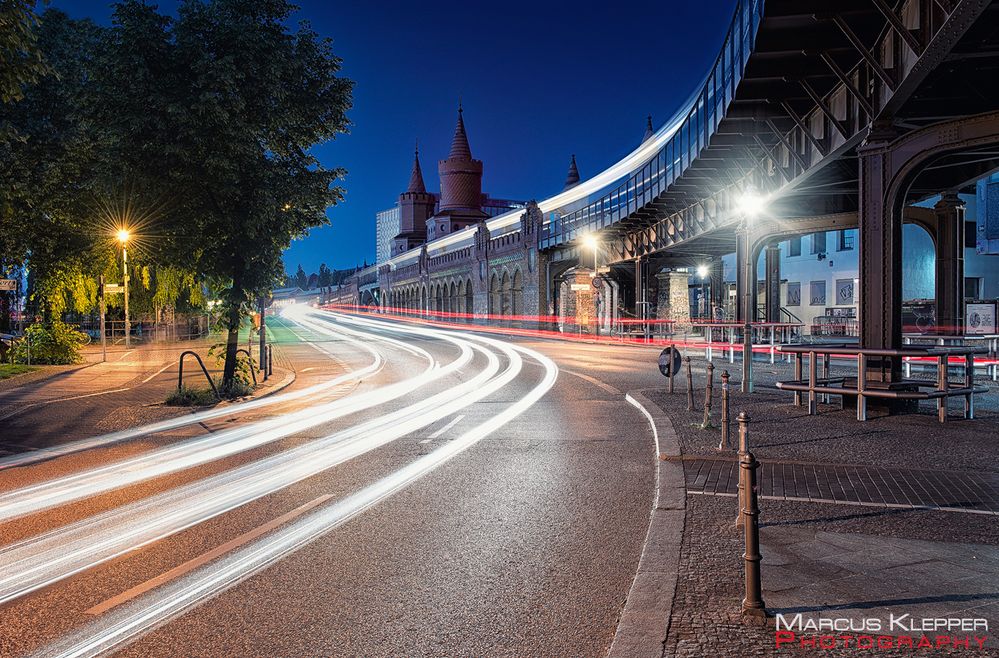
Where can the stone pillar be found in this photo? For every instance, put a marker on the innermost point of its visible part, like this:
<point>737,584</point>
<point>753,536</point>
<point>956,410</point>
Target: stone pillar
<point>950,264</point>
<point>581,300</point>
<point>745,278</point>
<point>772,277</point>
<point>880,258</point>
<point>673,302</point>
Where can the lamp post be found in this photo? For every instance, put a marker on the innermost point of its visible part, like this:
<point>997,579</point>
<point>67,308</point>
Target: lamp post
<point>123,236</point>
<point>751,205</point>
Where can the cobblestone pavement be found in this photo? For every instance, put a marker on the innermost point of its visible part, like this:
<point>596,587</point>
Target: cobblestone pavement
<point>851,484</point>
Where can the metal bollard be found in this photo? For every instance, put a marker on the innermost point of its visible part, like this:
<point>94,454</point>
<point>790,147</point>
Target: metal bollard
<point>708,390</point>
<point>690,385</point>
<point>724,443</point>
<point>797,377</point>
<point>743,420</point>
<point>752,604</point>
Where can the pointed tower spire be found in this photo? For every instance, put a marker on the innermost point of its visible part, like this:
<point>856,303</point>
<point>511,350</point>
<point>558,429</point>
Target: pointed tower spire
<point>649,132</point>
<point>572,178</point>
<point>459,145</point>
<point>416,178</point>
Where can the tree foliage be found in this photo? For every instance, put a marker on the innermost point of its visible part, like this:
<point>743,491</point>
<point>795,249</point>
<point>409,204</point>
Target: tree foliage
<point>21,59</point>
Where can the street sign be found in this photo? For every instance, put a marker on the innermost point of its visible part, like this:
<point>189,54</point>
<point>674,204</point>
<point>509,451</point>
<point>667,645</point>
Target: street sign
<point>669,361</point>
<point>579,287</point>
<point>603,270</point>
<point>113,288</point>
<point>8,284</point>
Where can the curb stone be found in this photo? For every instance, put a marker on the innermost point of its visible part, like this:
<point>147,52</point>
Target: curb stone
<point>644,622</point>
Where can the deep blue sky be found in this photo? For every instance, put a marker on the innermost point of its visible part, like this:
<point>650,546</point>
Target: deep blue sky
<point>539,81</point>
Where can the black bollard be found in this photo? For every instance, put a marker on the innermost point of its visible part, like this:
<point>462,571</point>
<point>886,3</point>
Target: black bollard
<point>752,604</point>
<point>708,391</point>
<point>724,443</point>
<point>690,386</point>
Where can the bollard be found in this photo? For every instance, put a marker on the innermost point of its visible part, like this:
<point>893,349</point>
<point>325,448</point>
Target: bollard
<point>743,421</point>
<point>690,385</point>
<point>708,390</point>
<point>724,443</point>
<point>753,604</point>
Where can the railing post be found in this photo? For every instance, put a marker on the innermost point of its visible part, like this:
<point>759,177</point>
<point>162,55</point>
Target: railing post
<point>797,377</point>
<point>826,398</point>
<point>724,444</point>
<point>752,604</point>
<point>861,398</point>
<point>969,383</point>
<point>708,389</point>
<point>812,402</point>
<point>690,385</point>
<point>942,385</point>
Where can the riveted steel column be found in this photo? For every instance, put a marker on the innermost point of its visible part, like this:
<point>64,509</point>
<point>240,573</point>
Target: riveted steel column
<point>772,279</point>
<point>950,264</point>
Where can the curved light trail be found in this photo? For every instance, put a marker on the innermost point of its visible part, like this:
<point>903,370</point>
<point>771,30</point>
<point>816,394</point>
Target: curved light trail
<point>127,624</point>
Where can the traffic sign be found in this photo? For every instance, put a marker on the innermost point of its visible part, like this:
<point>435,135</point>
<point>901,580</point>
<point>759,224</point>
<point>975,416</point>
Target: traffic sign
<point>113,288</point>
<point>579,287</point>
<point>669,361</point>
<point>8,284</point>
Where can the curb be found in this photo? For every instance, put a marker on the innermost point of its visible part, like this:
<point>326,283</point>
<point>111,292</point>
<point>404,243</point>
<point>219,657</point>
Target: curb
<point>644,623</point>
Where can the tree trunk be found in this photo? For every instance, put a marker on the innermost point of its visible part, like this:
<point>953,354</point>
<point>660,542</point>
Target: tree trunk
<point>232,344</point>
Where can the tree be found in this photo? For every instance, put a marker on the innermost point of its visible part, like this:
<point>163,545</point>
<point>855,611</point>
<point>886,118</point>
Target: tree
<point>301,279</point>
<point>21,60</point>
<point>220,108</point>
<point>325,279</point>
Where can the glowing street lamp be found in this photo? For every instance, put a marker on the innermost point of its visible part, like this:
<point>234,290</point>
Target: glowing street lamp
<point>591,242</point>
<point>123,235</point>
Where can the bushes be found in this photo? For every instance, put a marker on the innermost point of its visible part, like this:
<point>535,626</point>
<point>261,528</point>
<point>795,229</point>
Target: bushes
<point>48,344</point>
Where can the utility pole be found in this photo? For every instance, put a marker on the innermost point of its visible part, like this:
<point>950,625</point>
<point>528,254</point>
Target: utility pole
<point>263,339</point>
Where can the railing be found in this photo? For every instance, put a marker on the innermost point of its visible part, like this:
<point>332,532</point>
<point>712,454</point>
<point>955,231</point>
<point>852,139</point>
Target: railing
<point>905,389</point>
<point>693,135</point>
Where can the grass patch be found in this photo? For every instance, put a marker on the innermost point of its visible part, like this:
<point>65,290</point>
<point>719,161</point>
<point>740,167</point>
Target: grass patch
<point>187,396</point>
<point>11,369</point>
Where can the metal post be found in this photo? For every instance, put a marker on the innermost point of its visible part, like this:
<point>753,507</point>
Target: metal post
<point>747,358</point>
<point>861,398</point>
<point>262,366</point>
<point>942,385</point>
<point>104,338</point>
<point>708,390</point>
<point>124,261</point>
<point>671,373</point>
<point>743,420</point>
<point>969,383</point>
<point>797,377</point>
<point>724,443</point>
<point>752,604</point>
<point>690,385</point>
<point>812,402</point>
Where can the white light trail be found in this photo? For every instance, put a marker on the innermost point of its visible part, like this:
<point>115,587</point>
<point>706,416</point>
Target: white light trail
<point>128,623</point>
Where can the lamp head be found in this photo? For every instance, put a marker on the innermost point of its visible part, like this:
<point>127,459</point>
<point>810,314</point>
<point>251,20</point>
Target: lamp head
<point>123,235</point>
<point>590,241</point>
<point>702,271</point>
<point>751,204</point>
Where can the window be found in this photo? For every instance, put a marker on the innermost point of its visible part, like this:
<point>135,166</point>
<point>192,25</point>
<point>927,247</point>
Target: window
<point>817,293</point>
<point>844,291</point>
<point>794,294</point>
<point>818,243</point>
<point>794,247</point>
<point>846,240</point>
<point>972,288</point>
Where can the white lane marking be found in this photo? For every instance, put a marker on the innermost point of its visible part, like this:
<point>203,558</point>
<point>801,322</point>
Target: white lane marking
<point>655,439</point>
<point>150,377</point>
<point>310,368</point>
<point>128,624</point>
<point>455,421</point>
<point>593,380</point>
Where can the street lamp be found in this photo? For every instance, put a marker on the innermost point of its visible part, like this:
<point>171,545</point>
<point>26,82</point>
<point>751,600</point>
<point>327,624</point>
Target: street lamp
<point>750,205</point>
<point>591,242</point>
<point>123,235</point>
<point>702,273</point>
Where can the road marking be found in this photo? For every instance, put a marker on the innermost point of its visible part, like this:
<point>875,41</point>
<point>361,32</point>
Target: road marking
<point>455,421</point>
<point>655,438</point>
<point>150,377</point>
<point>596,382</point>
<point>308,369</point>
<point>204,558</point>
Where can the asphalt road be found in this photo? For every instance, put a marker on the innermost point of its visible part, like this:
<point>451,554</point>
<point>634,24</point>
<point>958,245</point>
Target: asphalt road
<point>436,493</point>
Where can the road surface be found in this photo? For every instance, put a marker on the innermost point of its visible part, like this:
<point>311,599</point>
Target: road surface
<point>446,493</point>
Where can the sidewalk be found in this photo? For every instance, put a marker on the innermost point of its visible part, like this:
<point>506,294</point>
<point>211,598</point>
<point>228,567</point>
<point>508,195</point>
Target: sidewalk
<point>858,521</point>
<point>67,403</point>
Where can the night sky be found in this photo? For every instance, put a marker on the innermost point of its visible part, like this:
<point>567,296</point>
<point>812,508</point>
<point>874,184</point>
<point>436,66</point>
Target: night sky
<point>538,80</point>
